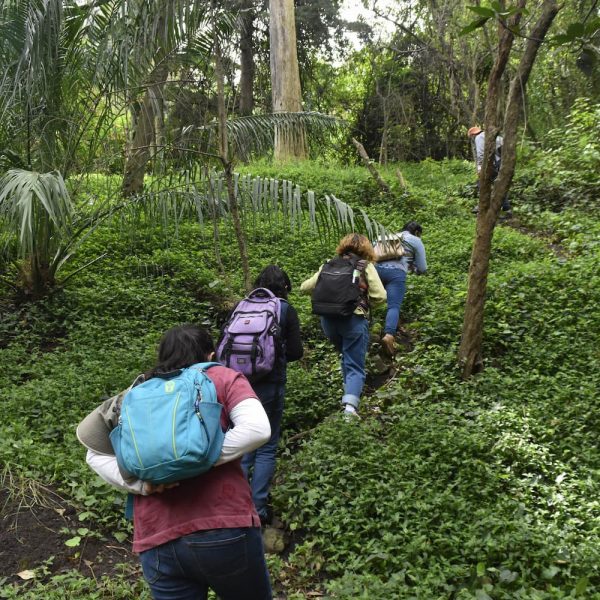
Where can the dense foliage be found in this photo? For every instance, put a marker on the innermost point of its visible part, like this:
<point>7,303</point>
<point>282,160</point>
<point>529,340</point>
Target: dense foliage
<point>485,488</point>
<point>446,489</point>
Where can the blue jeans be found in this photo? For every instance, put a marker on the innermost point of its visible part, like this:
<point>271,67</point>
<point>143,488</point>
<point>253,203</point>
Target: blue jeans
<point>259,466</point>
<point>350,336</point>
<point>229,561</point>
<point>394,282</point>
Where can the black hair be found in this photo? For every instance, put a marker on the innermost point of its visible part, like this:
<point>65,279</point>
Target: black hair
<point>413,227</point>
<point>275,279</point>
<point>183,346</point>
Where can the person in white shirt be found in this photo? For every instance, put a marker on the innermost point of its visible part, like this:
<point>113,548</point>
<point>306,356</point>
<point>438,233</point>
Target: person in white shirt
<point>477,137</point>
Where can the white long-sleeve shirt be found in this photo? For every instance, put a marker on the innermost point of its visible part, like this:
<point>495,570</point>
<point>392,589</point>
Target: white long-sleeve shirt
<point>251,429</point>
<point>479,146</point>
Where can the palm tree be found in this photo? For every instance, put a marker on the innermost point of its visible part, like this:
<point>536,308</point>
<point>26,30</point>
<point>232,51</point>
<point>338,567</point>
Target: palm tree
<point>71,70</point>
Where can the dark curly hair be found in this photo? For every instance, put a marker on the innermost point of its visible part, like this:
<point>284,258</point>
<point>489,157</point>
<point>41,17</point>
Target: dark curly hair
<point>275,279</point>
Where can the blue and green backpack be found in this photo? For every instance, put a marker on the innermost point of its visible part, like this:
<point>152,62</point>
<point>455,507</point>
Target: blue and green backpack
<point>169,427</point>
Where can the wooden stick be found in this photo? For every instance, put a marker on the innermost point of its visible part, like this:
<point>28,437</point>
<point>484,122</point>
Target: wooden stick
<point>383,186</point>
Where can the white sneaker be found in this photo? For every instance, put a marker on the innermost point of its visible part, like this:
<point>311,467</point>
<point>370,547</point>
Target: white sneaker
<point>350,412</point>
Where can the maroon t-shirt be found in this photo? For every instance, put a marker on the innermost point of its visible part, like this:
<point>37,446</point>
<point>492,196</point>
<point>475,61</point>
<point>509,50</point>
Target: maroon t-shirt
<point>217,499</point>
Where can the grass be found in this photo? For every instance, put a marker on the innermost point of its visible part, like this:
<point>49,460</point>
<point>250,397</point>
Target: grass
<point>445,489</point>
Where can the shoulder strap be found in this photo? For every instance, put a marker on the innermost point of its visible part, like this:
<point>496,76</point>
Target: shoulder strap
<point>283,308</point>
<point>204,366</point>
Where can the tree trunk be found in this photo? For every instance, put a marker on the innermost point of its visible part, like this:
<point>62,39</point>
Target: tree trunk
<point>490,196</point>
<point>227,166</point>
<point>285,79</point>
<point>144,137</point>
<point>144,134</point>
<point>246,58</point>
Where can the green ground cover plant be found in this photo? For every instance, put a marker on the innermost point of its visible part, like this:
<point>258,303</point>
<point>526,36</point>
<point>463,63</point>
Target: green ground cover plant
<point>445,489</point>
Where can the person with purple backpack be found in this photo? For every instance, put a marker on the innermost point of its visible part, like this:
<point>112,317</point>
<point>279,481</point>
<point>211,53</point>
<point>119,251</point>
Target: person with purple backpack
<point>260,337</point>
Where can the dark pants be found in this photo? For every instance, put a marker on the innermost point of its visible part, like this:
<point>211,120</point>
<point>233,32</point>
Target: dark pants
<point>259,466</point>
<point>229,561</point>
<point>505,201</point>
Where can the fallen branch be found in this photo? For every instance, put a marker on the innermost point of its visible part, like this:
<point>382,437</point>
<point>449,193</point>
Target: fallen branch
<point>383,186</point>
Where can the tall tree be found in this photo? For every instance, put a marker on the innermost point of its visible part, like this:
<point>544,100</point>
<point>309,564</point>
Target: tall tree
<point>492,193</point>
<point>148,110</point>
<point>285,79</point>
<point>246,20</point>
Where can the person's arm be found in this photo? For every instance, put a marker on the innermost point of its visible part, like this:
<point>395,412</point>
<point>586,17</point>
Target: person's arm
<point>107,468</point>
<point>309,285</point>
<point>293,340</point>
<point>251,429</point>
<point>377,293</point>
<point>420,258</point>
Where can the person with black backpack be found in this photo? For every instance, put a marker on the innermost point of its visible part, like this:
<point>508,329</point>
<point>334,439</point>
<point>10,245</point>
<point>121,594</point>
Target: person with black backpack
<point>259,465</point>
<point>342,292</point>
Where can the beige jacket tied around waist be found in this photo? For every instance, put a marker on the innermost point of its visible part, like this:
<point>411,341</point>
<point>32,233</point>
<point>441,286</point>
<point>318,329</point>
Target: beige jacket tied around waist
<point>376,292</point>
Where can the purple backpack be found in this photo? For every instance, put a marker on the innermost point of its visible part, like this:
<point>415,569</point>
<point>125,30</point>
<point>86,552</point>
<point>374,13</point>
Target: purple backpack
<point>250,339</point>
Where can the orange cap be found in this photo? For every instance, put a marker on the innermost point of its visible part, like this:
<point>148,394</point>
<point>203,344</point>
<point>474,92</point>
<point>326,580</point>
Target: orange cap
<point>474,131</point>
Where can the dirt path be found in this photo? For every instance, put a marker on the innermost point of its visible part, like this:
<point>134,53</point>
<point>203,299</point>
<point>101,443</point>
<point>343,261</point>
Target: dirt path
<point>35,524</point>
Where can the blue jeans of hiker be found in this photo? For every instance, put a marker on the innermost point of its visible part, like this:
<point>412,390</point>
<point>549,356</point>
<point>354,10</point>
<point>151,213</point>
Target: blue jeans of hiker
<point>259,466</point>
<point>394,282</point>
<point>229,561</point>
<point>350,336</point>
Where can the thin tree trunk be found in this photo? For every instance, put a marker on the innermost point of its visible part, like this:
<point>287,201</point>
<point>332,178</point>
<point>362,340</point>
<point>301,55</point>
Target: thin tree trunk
<point>285,79</point>
<point>246,58</point>
<point>228,168</point>
<point>140,150</point>
<point>383,186</point>
<point>491,196</point>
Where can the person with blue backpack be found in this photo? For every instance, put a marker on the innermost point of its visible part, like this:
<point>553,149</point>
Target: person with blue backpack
<point>268,321</point>
<point>201,532</point>
<point>343,290</point>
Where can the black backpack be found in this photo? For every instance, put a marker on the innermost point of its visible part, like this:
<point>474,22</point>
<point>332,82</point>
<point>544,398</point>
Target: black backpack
<point>337,291</point>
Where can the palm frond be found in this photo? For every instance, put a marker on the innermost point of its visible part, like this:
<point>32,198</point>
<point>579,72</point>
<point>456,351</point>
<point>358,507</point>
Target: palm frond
<point>255,133</point>
<point>281,204</point>
<point>34,205</point>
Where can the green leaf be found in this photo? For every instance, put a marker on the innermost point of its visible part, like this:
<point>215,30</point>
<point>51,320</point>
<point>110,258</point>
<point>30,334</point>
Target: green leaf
<point>576,30</point>
<point>507,576</point>
<point>592,26</point>
<point>120,536</point>
<point>550,572</point>
<point>581,586</point>
<point>480,569</point>
<point>560,39</point>
<point>73,542</point>
<point>474,25</point>
<point>483,11</point>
